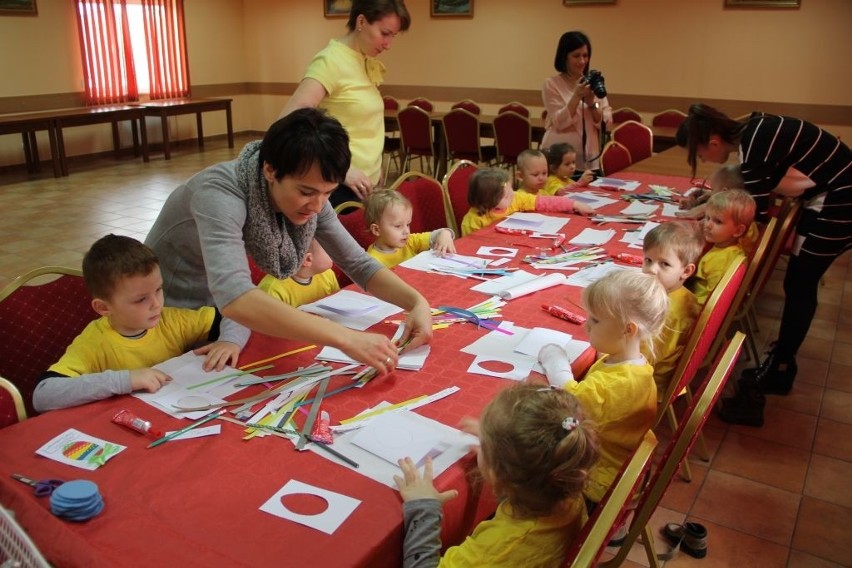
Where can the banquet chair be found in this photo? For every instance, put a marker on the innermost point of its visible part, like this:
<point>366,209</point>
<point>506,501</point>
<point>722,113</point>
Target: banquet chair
<point>428,204</point>
<point>515,106</point>
<point>415,131</point>
<point>354,223</point>
<point>512,135</point>
<point>589,544</point>
<point>461,129</point>
<point>698,345</point>
<point>624,114</point>
<point>468,105</point>
<point>392,145</point>
<point>12,408</point>
<point>614,158</point>
<point>41,313</point>
<point>636,137</point>
<point>425,104</point>
<point>675,453</point>
<point>455,190</point>
<point>670,118</point>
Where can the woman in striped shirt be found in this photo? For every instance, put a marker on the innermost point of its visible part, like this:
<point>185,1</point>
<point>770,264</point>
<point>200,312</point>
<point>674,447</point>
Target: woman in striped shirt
<point>793,158</point>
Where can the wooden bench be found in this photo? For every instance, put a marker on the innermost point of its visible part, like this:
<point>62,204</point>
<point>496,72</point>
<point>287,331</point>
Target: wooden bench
<point>173,107</point>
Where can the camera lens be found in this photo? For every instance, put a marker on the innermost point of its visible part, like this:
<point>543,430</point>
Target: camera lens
<point>596,83</point>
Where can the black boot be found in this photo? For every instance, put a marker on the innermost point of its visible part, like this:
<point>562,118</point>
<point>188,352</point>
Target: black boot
<point>746,407</point>
<point>776,374</point>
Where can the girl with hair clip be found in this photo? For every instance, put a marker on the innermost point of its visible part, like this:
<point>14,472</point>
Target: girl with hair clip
<point>626,311</point>
<point>793,158</point>
<point>536,449</point>
<point>491,198</point>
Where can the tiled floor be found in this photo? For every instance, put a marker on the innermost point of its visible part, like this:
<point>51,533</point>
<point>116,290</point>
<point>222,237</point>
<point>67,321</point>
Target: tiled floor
<point>780,495</point>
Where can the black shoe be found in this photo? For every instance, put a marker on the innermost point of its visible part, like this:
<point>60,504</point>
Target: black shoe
<point>775,375</point>
<point>746,407</point>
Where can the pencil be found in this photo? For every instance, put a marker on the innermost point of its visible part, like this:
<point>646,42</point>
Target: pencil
<point>195,424</point>
<point>279,356</point>
<point>335,453</point>
<point>229,377</point>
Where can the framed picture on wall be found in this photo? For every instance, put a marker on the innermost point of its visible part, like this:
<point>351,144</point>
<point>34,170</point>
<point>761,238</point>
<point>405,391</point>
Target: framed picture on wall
<point>762,3</point>
<point>451,8</point>
<point>333,8</point>
<point>18,8</point>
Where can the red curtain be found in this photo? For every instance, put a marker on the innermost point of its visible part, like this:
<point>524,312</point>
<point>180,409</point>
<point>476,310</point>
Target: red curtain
<point>165,36</point>
<point>107,56</point>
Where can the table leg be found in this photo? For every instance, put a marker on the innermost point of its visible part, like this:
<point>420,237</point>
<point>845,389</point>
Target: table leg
<point>54,151</point>
<point>164,121</point>
<point>135,130</point>
<point>60,146</point>
<point>200,128</point>
<point>230,125</point>
<point>116,140</point>
<point>143,131</point>
<point>28,151</point>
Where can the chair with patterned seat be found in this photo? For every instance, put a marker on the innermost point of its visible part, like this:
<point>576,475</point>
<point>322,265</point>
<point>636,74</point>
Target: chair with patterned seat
<point>636,137</point>
<point>512,135</point>
<point>429,208</point>
<point>41,313</point>
<point>461,129</point>
<point>415,128</point>
<point>455,185</point>
<point>614,158</point>
<point>670,118</point>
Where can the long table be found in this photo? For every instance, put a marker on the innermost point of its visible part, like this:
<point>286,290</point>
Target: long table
<point>27,124</point>
<point>173,107</point>
<point>196,503</point>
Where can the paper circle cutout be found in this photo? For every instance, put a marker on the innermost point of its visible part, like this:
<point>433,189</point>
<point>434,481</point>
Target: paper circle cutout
<point>307,504</point>
<point>497,366</point>
<point>192,401</point>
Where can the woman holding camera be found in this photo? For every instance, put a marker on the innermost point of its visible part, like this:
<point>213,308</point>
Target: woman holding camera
<point>575,102</point>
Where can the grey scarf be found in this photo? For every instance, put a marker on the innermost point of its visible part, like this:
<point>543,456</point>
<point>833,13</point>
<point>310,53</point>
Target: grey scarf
<point>275,244</point>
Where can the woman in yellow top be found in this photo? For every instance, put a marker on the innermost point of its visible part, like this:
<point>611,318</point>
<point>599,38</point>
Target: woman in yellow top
<point>343,79</point>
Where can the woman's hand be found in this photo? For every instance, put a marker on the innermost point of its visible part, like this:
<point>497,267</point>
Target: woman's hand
<point>219,354</point>
<point>372,349</point>
<point>358,182</point>
<point>694,213</point>
<point>412,486</point>
<point>418,326</point>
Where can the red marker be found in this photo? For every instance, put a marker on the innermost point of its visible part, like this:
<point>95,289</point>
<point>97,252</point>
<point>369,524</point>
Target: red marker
<point>629,258</point>
<point>562,313</point>
<point>509,231</point>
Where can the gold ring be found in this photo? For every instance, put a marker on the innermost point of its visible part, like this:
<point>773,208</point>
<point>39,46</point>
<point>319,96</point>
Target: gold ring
<point>387,361</point>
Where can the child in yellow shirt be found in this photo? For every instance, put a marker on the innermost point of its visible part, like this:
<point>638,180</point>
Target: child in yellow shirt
<point>625,309</point>
<point>388,216</point>
<point>491,199</point>
<point>728,217</point>
<point>314,280</point>
<point>531,172</point>
<point>535,450</point>
<point>561,165</point>
<point>671,252</point>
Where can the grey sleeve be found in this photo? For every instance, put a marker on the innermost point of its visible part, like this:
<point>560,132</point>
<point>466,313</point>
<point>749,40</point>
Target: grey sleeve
<point>229,330</point>
<point>343,249</point>
<point>421,547</point>
<point>61,392</point>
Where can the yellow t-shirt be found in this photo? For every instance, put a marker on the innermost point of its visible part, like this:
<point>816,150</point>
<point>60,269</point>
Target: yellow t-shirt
<point>295,294</point>
<point>524,191</point>
<point>711,268</point>
<point>473,221</point>
<point>353,99</point>
<point>554,184</point>
<point>668,346</point>
<point>621,399</point>
<point>100,348</point>
<point>417,243</point>
<point>506,541</point>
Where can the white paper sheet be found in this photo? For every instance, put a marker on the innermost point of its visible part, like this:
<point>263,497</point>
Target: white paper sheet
<point>593,237</point>
<point>670,209</point>
<point>637,237</point>
<point>639,208</point>
<point>197,433</point>
<point>613,183</point>
<point>592,198</point>
<point>352,309</point>
<point>538,337</point>
<point>497,285</point>
<point>526,288</point>
<point>502,252</point>
<point>411,360</point>
<point>397,435</point>
<point>338,510</point>
<point>426,260</point>
<point>521,366</point>
<point>77,449</point>
<point>534,222</point>
<point>586,276</point>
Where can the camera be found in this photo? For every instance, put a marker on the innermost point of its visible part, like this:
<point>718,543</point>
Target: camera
<point>595,80</point>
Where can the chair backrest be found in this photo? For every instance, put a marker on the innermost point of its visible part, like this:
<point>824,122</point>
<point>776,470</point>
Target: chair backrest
<point>461,128</point>
<point>415,130</point>
<point>788,217</point>
<point>680,444</point>
<point>425,104</point>
<point>427,201</point>
<point>588,546</point>
<point>12,408</point>
<point>515,106</point>
<point>468,105</point>
<point>704,332</point>
<point>354,223</point>
<point>455,188</point>
<point>636,137</point>
<point>391,103</point>
<point>670,118</point>
<point>38,321</point>
<point>615,157</point>
<point>512,135</point>
<point>624,114</point>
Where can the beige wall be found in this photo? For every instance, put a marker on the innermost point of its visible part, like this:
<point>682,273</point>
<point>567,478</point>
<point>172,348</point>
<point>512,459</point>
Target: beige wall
<point>695,49</point>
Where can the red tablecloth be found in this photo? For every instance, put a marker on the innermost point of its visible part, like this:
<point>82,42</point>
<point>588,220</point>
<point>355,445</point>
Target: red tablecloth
<point>196,503</point>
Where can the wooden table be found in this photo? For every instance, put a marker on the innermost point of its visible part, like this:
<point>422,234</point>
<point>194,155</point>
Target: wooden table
<point>173,107</point>
<point>27,124</point>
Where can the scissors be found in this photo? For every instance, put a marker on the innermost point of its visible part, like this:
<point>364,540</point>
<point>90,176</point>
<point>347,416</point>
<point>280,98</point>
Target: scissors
<point>42,488</point>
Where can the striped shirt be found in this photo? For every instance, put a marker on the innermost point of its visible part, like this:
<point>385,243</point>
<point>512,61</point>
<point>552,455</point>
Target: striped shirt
<point>774,147</point>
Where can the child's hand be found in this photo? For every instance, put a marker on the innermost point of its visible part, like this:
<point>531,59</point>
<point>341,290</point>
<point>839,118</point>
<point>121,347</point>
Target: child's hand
<point>470,425</point>
<point>149,380</point>
<point>565,190</point>
<point>444,243</point>
<point>586,178</point>
<point>219,354</point>
<point>582,208</point>
<point>413,487</point>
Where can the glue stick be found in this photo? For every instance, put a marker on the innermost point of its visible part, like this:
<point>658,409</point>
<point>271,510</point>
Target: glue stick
<point>127,418</point>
